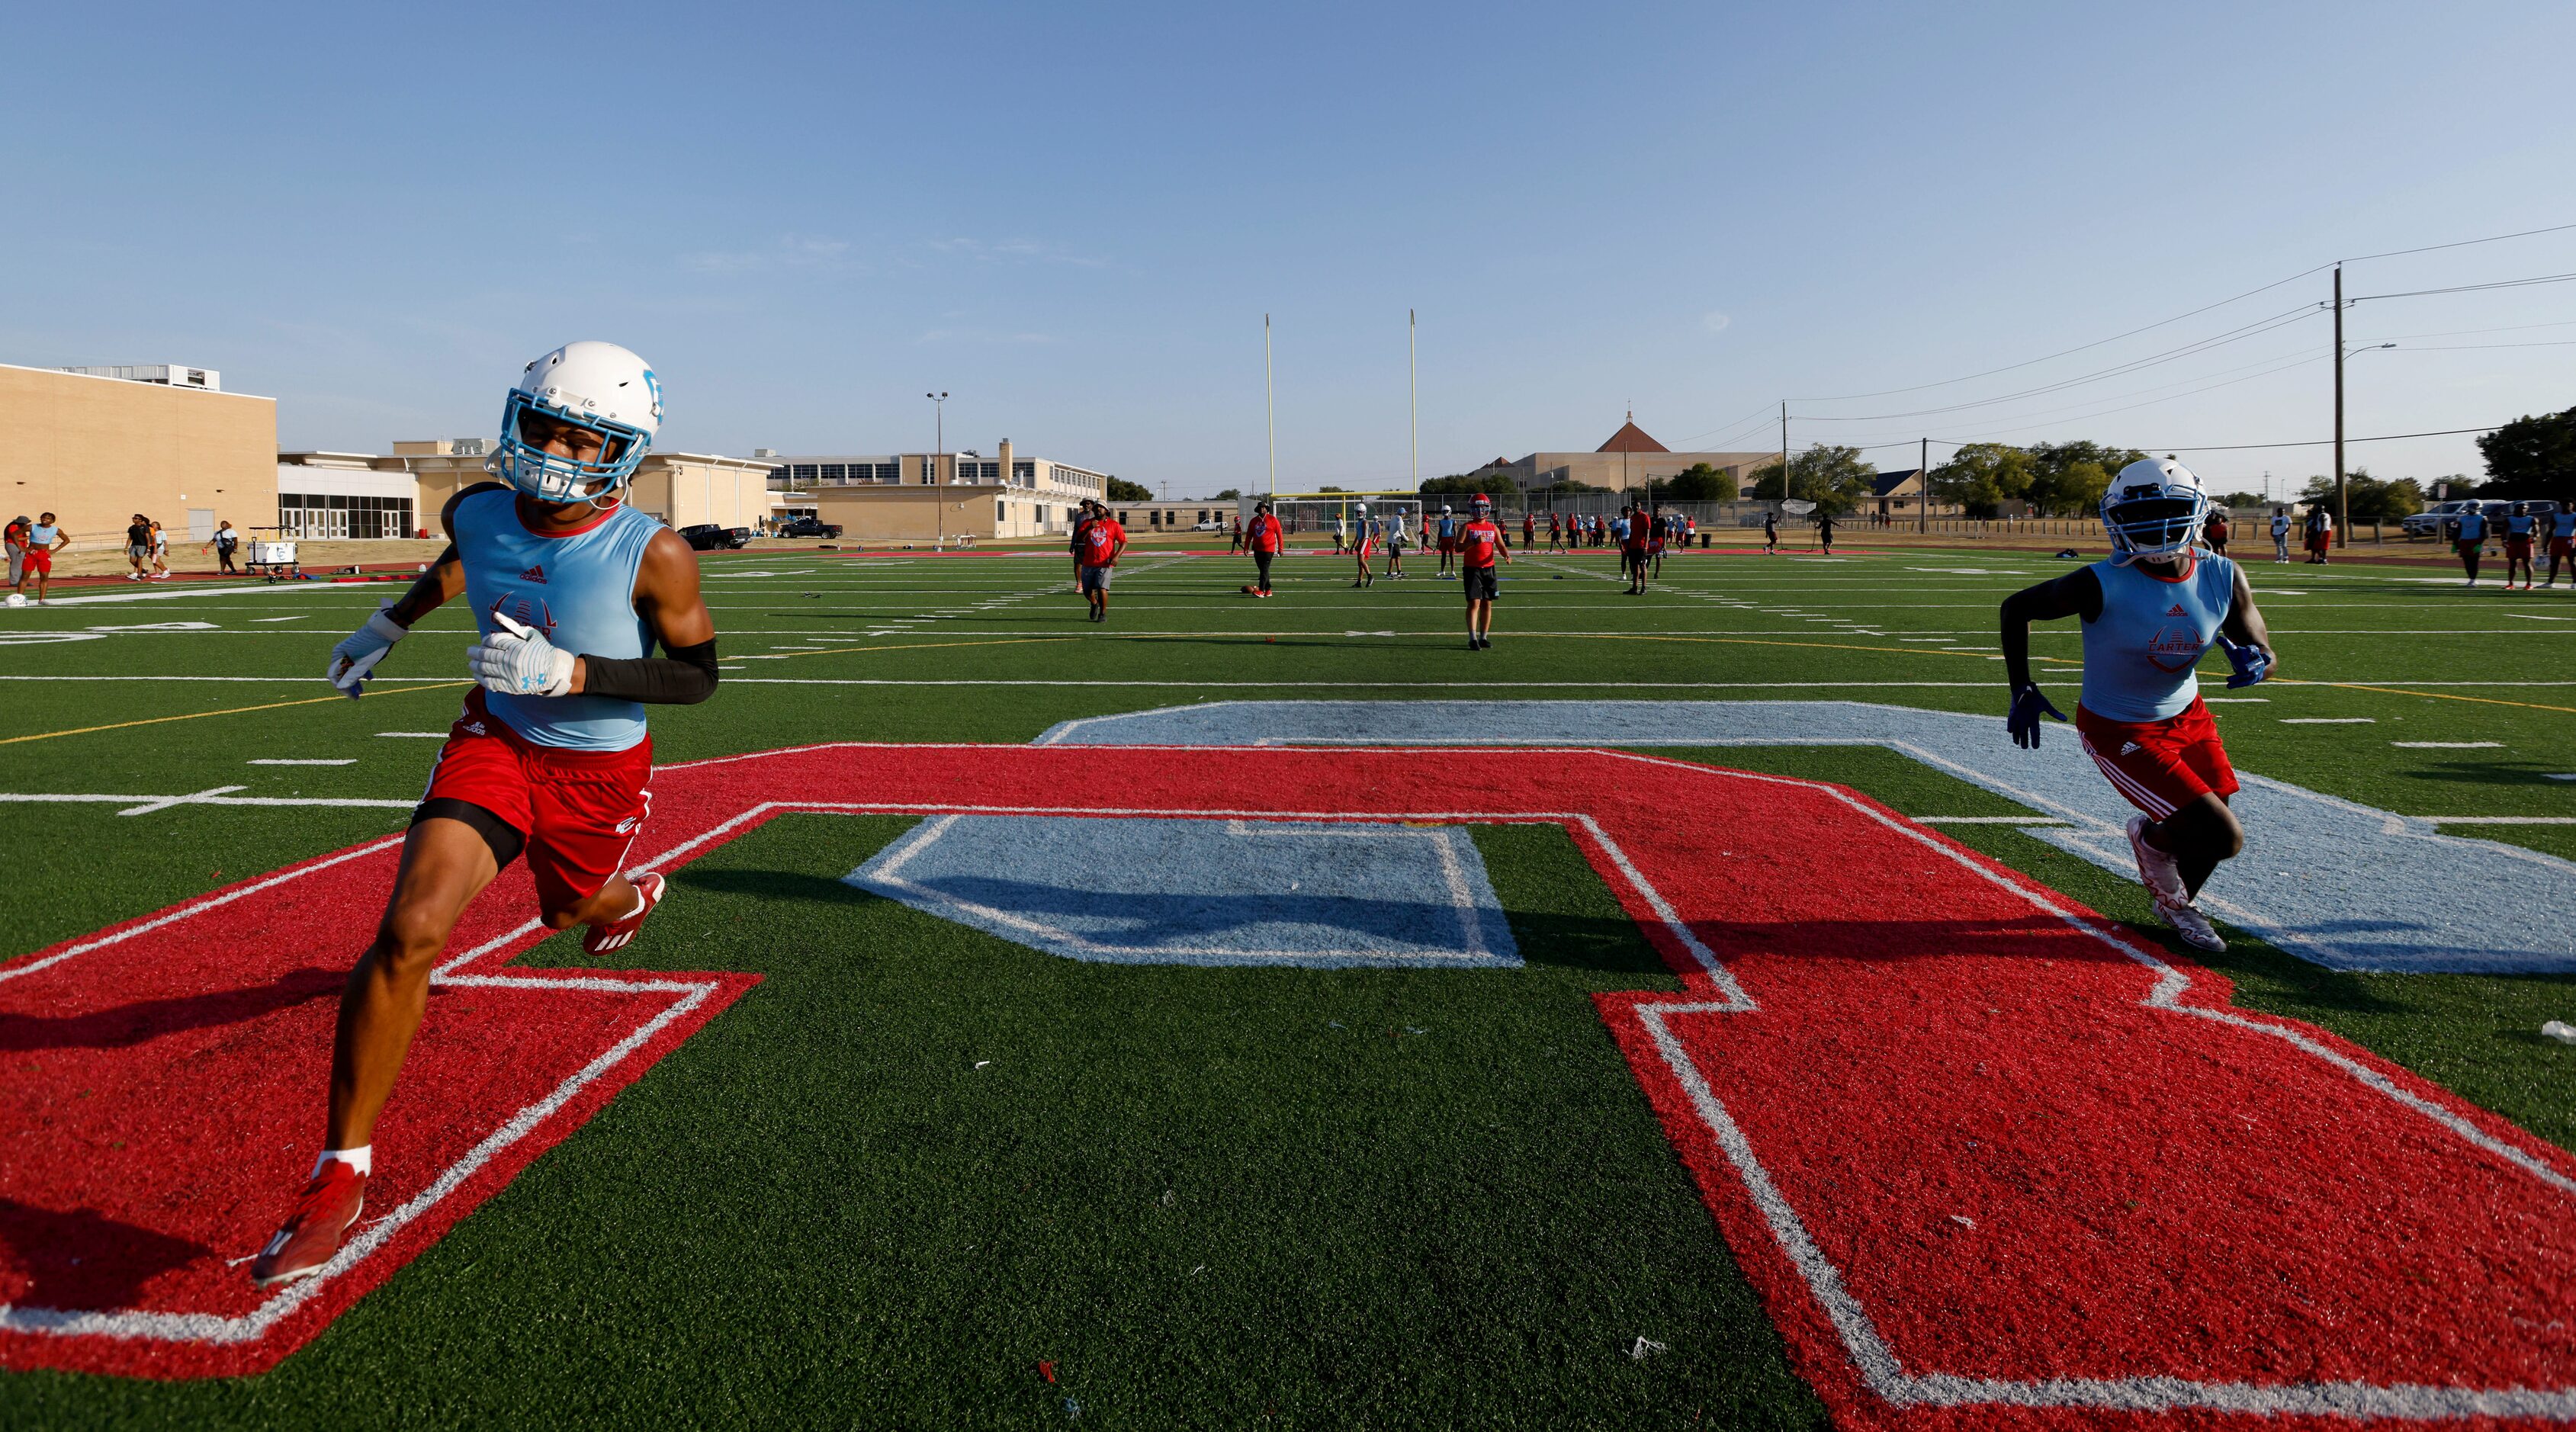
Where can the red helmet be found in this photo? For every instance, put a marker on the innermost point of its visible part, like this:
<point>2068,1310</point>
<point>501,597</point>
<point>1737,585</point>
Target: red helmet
<point>1480,500</point>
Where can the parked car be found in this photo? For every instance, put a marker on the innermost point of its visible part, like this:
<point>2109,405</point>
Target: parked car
<point>2431,521</point>
<point>1209,526</point>
<point>808,527</point>
<point>708,537</point>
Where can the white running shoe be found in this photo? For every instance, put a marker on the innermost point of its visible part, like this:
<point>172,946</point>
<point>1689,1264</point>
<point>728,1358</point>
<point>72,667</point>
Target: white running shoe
<point>2193,926</point>
<point>2159,872</point>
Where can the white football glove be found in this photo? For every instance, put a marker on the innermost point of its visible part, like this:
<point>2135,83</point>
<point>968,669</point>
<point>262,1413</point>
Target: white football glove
<point>353,660</point>
<point>517,660</point>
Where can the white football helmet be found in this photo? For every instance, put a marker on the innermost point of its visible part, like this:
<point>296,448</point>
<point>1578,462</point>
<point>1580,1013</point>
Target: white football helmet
<point>598,387</point>
<point>2153,509</point>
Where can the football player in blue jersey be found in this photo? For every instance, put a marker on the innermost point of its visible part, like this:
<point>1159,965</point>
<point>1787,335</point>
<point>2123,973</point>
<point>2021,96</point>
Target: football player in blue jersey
<point>2560,523</point>
<point>2150,611</point>
<point>570,589</point>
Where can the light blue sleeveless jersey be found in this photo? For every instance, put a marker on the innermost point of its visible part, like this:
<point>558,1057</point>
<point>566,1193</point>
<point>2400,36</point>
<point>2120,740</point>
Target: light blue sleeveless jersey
<point>577,589</point>
<point>2139,654</point>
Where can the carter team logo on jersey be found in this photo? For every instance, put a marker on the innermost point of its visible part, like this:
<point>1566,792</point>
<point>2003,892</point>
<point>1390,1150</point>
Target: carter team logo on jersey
<point>2183,645</point>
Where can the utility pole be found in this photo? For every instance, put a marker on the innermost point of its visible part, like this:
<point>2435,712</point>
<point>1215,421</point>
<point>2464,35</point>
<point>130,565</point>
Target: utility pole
<point>1270,407</point>
<point>1413,396</point>
<point>2343,507</point>
<point>1923,479</point>
<point>1784,449</point>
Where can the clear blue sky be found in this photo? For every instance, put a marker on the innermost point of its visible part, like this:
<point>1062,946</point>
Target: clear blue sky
<point>1074,217</point>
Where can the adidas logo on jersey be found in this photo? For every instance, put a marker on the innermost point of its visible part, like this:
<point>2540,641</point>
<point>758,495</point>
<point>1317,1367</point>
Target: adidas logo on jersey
<point>538,574</point>
<point>2176,612</point>
<point>2131,748</point>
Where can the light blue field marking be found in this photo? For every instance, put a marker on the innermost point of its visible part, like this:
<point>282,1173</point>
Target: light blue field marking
<point>2345,885</point>
<point>1206,892</point>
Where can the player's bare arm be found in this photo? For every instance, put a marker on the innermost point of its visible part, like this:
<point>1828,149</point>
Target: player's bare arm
<point>667,598</point>
<point>2077,594</point>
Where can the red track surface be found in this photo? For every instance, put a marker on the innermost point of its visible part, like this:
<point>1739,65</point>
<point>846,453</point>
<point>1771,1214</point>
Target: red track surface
<point>1987,1164</point>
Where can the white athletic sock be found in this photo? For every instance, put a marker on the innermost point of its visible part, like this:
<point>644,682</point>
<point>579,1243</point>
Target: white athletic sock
<point>362,1158</point>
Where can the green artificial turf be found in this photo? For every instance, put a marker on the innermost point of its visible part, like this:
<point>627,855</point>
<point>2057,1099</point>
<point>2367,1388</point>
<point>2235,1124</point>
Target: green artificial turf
<point>817,1209</point>
<point>918,1162</point>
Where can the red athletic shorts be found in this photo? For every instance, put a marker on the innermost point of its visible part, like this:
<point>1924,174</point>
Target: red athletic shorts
<point>40,559</point>
<point>2562,547</point>
<point>2160,766</point>
<point>2518,548</point>
<point>578,811</point>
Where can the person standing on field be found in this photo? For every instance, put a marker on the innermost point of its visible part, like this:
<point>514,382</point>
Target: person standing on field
<point>2469,539</point>
<point>2561,525</point>
<point>21,528</point>
<point>1263,539</point>
<point>2280,534</point>
<point>138,546</point>
<point>43,541</point>
<point>1770,534</point>
<point>2320,535</point>
<point>2520,527</point>
<point>160,551</point>
<point>1102,541</point>
<point>1479,542</point>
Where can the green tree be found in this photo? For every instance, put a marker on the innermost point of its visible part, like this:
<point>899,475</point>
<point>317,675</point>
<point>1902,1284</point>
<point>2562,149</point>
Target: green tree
<point>2372,499</point>
<point>1231,494</point>
<point>2069,478</point>
<point>1699,482</point>
<point>2531,457</point>
<point>1981,477</point>
<point>2243,499</point>
<point>1460,484</point>
<point>1121,490</point>
<point>1833,478</point>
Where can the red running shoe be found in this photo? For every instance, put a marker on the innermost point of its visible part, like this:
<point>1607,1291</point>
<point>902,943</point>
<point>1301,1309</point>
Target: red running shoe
<point>311,1235</point>
<point>603,938</point>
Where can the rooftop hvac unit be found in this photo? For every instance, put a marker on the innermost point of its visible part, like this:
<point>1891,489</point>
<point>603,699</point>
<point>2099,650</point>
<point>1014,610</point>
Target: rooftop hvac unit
<point>170,375</point>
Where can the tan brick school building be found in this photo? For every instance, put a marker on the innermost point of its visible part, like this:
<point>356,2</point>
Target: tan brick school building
<point>95,450</point>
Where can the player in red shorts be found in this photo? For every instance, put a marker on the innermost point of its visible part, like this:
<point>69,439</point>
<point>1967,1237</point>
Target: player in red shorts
<point>2560,521</point>
<point>570,588</point>
<point>2149,612</point>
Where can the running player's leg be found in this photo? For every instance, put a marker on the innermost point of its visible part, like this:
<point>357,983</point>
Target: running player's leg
<point>446,862</point>
<point>2198,836</point>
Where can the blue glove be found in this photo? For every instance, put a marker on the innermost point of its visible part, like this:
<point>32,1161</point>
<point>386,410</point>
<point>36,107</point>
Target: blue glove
<point>2027,707</point>
<point>2250,664</point>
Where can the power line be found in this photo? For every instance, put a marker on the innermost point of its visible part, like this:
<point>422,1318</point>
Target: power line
<point>2320,442</point>
<point>2081,347</point>
<point>2462,244</point>
<point>2470,287</point>
<point>2255,329</point>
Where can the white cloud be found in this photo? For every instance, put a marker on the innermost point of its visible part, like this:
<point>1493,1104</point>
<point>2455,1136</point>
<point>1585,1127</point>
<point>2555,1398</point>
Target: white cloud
<point>1714,321</point>
<point>1015,251</point>
<point>803,251</point>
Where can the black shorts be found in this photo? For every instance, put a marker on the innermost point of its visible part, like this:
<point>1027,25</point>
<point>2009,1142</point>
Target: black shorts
<point>1479,583</point>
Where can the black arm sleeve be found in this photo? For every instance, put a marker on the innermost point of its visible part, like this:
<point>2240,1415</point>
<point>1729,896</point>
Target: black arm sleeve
<point>684,678</point>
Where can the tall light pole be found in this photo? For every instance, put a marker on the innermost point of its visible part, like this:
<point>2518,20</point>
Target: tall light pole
<point>1270,407</point>
<point>1413,397</point>
<point>939,440</point>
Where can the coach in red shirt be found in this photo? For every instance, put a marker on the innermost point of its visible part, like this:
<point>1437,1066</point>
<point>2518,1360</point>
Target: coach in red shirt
<point>1265,539</point>
<point>1096,549</point>
<point>1479,542</point>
